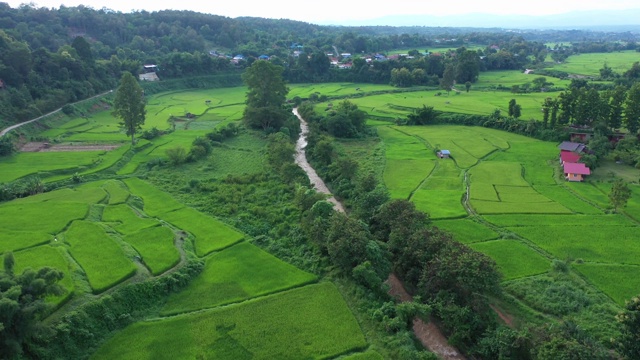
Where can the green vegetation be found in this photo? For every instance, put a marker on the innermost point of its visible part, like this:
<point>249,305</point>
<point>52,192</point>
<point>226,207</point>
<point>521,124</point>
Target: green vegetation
<point>125,220</point>
<point>467,231</point>
<point>514,259</point>
<point>101,258</point>
<point>156,248</point>
<point>312,322</point>
<point>210,234</point>
<point>41,256</point>
<point>235,274</point>
<point>47,163</point>
<point>619,282</point>
<point>52,217</point>
<point>117,191</point>
<point>156,202</point>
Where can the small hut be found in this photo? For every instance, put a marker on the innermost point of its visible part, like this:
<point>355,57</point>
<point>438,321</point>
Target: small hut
<point>444,154</point>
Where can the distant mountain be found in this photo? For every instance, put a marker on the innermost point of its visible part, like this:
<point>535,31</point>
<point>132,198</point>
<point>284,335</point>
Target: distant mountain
<point>609,20</point>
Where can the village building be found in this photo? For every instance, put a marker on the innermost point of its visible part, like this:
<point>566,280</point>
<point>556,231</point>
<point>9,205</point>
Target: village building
<point>444,154</point>
<point>149,73</point>
<point>575,171</point>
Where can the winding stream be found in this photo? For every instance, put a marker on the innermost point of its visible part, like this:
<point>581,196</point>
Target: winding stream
<point>301,160</point>
<point>428,333</point>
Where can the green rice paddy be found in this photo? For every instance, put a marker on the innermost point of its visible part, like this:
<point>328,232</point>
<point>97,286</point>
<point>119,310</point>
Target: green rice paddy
<point>238,273</point>
<point>312,322</point>
<point>156,248</point>
<point>100,256</point>
<point>210,234</point>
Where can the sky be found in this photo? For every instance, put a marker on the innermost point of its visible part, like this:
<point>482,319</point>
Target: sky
<point>339,12</point>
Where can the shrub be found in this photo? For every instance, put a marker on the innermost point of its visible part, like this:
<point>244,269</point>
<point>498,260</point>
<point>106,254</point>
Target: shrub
<point>177,155</point>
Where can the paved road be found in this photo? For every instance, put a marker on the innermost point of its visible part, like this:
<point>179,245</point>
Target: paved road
<point>45,115</point>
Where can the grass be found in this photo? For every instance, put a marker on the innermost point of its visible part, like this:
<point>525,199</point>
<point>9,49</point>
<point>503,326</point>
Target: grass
<point>312,322</point>
<point>210,234</point>
<point>88,194</point>
<point>394,105</point>
<point>159,146</point>
<point>240,272</point>
<point>439,204</point>
<point>117,191</point>
<point>619,282</point>
<point>567,220</point>
<point>50,217</point>
<point>562,195</point>
<point>514,259</point>
<point>466,230</point>
<point>41,256</point>
<point>101,258</point>
<point>156,247</point>
<point>335,89</point>
<point>591,243</point>
<point>124,219</point>
<point>590,64</point>
<point>45,163</point>
<point>367,355</point>
<point>12,240</point>
<point>156,202</point>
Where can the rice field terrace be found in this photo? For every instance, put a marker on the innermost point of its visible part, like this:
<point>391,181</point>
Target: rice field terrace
<point>590,64</point>
<point>499,192</point>
<point>109,233</point>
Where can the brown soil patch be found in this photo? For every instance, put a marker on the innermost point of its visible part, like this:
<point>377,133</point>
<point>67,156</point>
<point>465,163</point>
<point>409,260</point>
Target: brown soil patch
<point>428,333</point>
<point>46,147</point>
<point>508,319</point>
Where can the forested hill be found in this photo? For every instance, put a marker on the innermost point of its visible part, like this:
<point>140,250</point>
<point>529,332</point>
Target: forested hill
<point>50,57</point>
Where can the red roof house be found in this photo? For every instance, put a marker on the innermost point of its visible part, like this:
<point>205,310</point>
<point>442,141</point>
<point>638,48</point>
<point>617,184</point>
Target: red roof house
<point>575,171</point>
<point>569,157</point>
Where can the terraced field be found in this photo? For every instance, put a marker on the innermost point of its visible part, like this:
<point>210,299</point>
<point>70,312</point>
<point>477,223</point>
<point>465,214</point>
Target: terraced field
<point>499,194</point>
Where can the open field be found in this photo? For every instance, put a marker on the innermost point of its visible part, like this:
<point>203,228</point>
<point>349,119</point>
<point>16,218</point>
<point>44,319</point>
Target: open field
<point>46,164</point>
<point>41,256</point>
<point>590,64</point>
<point>514,259</point>
<point>155,201</point>
<point>238,273</point>
<point>466,230</point>
<point>508,78</point>
<point>590,243</point>
<point>52,217</point>
<point>124,219</point>
<point>512,186</point>
<point>117,191</point>
<point>156,248</point>
<point>101,258</point>
<point>334,89</point>
<point>399,105</point>
<point>312,322</point>
<point>620,282</point>
<point>210,234</point>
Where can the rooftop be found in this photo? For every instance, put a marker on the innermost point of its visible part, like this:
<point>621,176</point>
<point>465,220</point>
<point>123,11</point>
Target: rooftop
<point>576,168</point>
<point>571,146</point>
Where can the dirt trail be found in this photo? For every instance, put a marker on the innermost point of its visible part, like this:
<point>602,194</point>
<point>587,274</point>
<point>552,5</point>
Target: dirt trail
<point>45,115</point>
<point>428,333</point>
<point>301,160</point>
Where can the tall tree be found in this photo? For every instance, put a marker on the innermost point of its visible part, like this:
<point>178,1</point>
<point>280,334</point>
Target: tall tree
<point>616,105</point>
<point>22,305</point>
<point>629,340</point>
<point>447,78</point>
<point>467,66</point>
<point>632,109</point>
<point>266,96</point>
<point>129,105</point>
<point>619,194</point>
